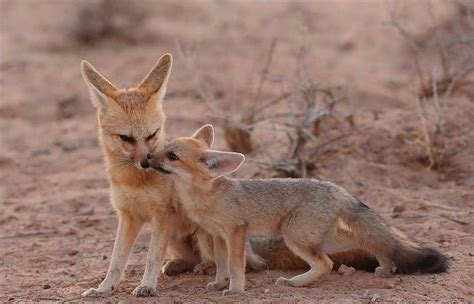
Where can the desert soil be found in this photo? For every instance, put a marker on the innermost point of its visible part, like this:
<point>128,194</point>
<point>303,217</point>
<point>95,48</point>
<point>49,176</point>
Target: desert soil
<point>56,223</point>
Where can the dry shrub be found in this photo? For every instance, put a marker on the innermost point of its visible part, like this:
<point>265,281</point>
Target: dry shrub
<point>121,19</point>
<point>238,138</point>
<point>283,133</point>
<point>454,58</point>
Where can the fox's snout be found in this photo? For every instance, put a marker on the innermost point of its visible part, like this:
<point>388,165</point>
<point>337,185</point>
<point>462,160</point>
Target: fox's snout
<point>156,164</point>
<point>145,163</point>
<point>159,167</point>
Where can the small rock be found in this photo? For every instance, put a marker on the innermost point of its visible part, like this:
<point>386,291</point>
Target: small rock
<point>423,205</point>
<point>90,211</point>
<point>390,285</point>
<point>266,291</point>
<point>399,209</point>
<point>72,252</point>
<point>347,271</point>
<point>46,286</point>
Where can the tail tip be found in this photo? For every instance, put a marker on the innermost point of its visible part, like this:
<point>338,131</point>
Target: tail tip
<point>435,261</point>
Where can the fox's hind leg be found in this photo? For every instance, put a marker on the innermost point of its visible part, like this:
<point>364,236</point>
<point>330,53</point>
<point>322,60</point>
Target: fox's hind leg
<point>184,257</point>
<point>386,268</point>
<point>318,261</point>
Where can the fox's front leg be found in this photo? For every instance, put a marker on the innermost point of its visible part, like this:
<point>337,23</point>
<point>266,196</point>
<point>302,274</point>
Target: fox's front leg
<point>220,258</point>
<point>161,232</point>
<point>235,243</point>
<point>127,231</point>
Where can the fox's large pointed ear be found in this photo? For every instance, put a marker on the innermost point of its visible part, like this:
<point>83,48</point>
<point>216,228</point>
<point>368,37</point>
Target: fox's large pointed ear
<point>205,134</point>
<point>222,163</point>
<point>157,79</point>
<point>99,87</point>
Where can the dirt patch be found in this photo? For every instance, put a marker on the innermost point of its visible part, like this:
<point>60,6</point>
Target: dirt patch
<point>57,226</point>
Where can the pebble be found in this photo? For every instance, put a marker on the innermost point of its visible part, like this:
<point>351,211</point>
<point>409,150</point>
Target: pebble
<point>73,252</point>
<point>46,286</point>
<point>347,271</point>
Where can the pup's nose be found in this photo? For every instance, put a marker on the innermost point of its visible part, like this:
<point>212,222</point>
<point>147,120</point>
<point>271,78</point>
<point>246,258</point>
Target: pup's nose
<point>145,164</point>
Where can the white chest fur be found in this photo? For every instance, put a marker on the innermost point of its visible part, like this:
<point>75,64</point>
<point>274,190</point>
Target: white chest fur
<point>139,200</point>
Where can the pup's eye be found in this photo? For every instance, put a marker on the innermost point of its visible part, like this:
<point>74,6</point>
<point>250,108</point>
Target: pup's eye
<point>126,138</point>
<point>171,156</point>
<point>152,135</point>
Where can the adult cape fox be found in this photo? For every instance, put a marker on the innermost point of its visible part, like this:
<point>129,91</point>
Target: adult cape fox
<point>131,128</point>
<point>313,217</point>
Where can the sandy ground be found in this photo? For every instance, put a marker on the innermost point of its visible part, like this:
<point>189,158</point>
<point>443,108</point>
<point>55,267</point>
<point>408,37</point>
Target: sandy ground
<point>56,223</point>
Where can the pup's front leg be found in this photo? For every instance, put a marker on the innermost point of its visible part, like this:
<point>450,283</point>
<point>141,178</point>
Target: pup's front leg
<point>235,243</point>
<point>127,231</point>
<point>161,225</point>
<point>220,258</point>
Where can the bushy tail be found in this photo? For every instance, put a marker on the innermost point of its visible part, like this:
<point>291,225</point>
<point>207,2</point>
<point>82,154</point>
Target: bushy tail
<point>410,257</point>
<point>372,234</point>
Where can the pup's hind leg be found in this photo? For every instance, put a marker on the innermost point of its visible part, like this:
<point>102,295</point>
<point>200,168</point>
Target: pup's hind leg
<point>318,261</point>
<point>386,268</point>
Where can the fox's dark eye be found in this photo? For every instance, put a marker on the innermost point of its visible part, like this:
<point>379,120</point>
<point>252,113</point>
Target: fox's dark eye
<point>126,138</point>
<point>152,135</point>
<point>171,156</point>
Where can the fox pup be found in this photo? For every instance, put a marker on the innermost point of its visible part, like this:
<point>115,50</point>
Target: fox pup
<point>315,218</point>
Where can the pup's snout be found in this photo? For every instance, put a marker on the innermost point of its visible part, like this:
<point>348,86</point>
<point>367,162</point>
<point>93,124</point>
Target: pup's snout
<point>157,166</point>
<point>145,164</point>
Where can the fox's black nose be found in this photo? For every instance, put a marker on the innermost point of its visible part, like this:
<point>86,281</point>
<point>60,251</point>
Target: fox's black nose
<point>145,164</point>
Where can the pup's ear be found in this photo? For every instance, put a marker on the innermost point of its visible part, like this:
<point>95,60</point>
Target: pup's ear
<point>222,163</point>
<point>205,134</point>
<point>155,82</point>
<point>100,88</point>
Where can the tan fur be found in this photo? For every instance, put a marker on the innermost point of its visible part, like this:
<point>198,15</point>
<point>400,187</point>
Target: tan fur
<point>314,218</point>
<point>141,196</point>
<point>145,196</point>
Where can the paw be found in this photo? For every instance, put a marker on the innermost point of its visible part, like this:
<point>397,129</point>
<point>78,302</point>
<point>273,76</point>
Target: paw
<point>284,282</point>
<point>97,293</point>
<point>205,268</point>
<point>216,285</point>
<point>229,292</point>
<point>144,292</point>
<point>178,266</point>
<point>383,272</point>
